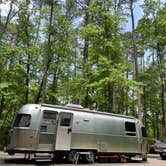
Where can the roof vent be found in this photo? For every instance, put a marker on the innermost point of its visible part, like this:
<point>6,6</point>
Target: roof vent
<point>74,106</point>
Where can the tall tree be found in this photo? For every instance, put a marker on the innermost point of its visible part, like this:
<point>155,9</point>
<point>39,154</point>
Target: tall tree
<point>151,28</point>
<point>135,56</point>
<point>48,55</point>
<point>24,29</point>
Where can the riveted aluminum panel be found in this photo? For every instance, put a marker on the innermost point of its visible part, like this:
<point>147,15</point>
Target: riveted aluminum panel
<point>24,138</point>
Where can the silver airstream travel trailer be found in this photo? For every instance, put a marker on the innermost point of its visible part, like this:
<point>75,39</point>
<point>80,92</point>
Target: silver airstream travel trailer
<point>67,130</point>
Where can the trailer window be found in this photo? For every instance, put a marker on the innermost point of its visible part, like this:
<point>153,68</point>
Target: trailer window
<point>65,121</point>
<point>22,120</point>
<point>130,128</point>
<point>49,115</point>
<point>144,132</point>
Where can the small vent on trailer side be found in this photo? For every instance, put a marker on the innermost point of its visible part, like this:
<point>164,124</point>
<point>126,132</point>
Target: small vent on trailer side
<point>74,106</point>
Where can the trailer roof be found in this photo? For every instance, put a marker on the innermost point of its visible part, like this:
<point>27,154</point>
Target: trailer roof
<point>75,107</point>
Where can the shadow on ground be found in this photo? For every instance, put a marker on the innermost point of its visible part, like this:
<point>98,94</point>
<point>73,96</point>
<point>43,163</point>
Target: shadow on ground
<point>22,161</point>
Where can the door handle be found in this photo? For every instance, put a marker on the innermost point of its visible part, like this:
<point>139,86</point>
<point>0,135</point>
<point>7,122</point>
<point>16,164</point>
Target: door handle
<point>69,130</point>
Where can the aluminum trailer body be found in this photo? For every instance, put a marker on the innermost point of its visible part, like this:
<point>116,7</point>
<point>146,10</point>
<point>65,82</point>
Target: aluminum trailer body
<point>64,130</point>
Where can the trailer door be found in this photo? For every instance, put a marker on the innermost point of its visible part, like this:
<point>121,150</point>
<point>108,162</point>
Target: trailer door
<point>47,131</point>
<point>63,139</point>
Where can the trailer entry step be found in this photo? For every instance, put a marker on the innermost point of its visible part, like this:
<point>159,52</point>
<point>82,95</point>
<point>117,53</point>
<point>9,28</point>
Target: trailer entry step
<point>43,158</point>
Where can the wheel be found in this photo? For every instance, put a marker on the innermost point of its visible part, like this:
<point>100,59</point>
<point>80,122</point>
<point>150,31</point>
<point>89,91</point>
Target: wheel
<point>163,157</point>
<point>72,156</point>
<point>90,157</point>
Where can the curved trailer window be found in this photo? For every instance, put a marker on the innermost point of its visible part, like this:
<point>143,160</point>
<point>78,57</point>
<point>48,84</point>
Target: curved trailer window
<point>130,128</point>
<point>22,120</point>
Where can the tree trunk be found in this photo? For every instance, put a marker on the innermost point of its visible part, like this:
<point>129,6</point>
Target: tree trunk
<point>157,125</point>
<point>27,80</point>
<point>163,107</point>
<point>161,63</point>
<point>85,57</point>
<point>53,99</point>
<point>134,48</point>
<point>2,104</point>
<point>144,107</point>
<point>7,21</point>
<point>160,59</point>
<point>86,39</point>
<point>114,99</point>
<point>42,88</point>
<point>154,127</point>
<point>28,60</point>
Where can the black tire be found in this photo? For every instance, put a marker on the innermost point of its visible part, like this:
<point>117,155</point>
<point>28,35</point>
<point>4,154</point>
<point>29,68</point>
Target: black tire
<point>162,157</point>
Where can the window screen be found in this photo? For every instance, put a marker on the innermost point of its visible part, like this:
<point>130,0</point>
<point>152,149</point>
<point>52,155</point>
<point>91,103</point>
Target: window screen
<point>22,120</point>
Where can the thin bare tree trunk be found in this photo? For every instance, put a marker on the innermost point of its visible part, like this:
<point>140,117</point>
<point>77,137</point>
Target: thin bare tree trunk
<point>134,48</point>
<point>85,56</point>
<point>48,55</point>
<point>163,88</point>
<point>53,99</point>
<point>114,99</point>
<point>2,104</point>
<point>27,80</point>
